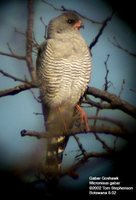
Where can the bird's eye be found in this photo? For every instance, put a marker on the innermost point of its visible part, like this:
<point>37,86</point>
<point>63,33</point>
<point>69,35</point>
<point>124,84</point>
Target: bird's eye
<point>70,21</point>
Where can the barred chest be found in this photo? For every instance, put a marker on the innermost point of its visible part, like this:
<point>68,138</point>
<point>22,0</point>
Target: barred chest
<point>64,72</point>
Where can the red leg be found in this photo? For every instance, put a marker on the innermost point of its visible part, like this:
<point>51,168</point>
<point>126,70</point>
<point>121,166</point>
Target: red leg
<point>84,117</point>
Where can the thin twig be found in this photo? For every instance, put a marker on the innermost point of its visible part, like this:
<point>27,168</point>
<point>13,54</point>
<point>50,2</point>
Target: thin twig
<point>17,31</point>
<point>106,84</point>
<point>35,44</point>
<point>104,144</point>
<point>114,143</point>
<point>10,49</point>
<point>122,88</point>
<point>37,113</point>
<point>83,151</point>
<point>63,9</point>
<point>13,55</point>
<point>95,40</point>
<point>45,27</point>
<point>12,77</point>
<point>116,43</point>
<point>36,98</point>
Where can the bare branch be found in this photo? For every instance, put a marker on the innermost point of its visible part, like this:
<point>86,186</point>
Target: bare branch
<point>95,40</point>
<point>45,26</point>
<point>17,89</point>
<point>116,43</point>
<point>88,19</point>
<point>106,86</point>
<point>122,87</point>
<point>63,9</point>
<point>103,129</point>
<point>35,44</point>
<point>17,31</point>
<point>10,49</point>
<point>13,55</point>
<point>104,144</point>
<point>83,160</point>
<point>36,98</point>
<point>11,76</point>
<point>34,134</point>
<point>111,120</point>
<point>37,113</point>
<point>50,4</point>
<point>107,82</point>
<point>114,100</point>
<point>29,40</point>
<point>83,151</point>
<point>114,143</point>
<point>99,105</point>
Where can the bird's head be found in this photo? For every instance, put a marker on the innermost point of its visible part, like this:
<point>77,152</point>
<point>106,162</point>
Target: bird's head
<point>65,22</point>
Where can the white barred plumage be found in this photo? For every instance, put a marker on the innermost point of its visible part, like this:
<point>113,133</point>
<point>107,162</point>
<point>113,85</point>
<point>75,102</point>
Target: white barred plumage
<point>63,73</point>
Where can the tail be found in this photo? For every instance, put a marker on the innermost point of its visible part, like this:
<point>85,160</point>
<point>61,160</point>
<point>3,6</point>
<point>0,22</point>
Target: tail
<point>54,158</point>
<point>59,122</point>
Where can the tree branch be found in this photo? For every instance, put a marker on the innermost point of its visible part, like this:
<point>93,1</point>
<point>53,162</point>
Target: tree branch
<point>122,87</point>
<point>103,129</point>
<point>29,40</point>
<point>17,31</point>
<point>114,100</point>
<point>13,55</point>
<point>83,160</point>
<point>83,151</point>
<point>95,40</point>
<point>29,44</point>
<point>63,9</point>
<point>104,144</point>
<point>11,76</point>
<point>116,43</point>
<point>96,104</point>
<point>17,89</point>
<point>111,120</point>
<point>107,83</point>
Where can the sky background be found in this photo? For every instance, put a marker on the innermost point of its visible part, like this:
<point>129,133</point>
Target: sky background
<point>17,112</point>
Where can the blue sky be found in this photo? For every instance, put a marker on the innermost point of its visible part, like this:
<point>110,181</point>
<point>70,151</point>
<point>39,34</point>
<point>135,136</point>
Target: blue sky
<point>16,112</point>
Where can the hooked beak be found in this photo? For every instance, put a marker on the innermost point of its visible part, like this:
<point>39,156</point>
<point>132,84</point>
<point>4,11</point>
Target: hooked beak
<point>79,24</point>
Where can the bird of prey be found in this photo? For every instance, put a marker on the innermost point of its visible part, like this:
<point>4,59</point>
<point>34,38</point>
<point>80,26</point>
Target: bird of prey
<point>63,73</point>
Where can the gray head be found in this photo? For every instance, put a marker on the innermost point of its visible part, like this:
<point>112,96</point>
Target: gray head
<point>64,22</point>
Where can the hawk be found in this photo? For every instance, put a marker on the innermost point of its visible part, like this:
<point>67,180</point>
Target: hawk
<point>63,73</point>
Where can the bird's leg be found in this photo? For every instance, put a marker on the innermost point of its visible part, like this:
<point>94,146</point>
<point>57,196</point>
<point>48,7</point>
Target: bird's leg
<point>84,117</point>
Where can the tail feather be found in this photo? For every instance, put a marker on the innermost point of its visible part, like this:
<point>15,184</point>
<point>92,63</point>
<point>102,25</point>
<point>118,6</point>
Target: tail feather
<point>59,122</point>
<point>54,158</point>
